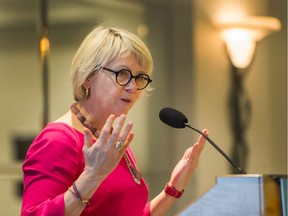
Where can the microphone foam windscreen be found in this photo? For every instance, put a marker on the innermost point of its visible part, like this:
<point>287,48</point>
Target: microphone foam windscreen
<point>173,117</point>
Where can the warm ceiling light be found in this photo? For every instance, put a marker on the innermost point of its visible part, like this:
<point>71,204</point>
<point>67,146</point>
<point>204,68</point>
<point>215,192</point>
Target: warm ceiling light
<point>242,34</point>
<point>44,45</point>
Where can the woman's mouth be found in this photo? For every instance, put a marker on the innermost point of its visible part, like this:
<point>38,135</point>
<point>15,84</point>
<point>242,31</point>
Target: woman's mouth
<point>126,100</point>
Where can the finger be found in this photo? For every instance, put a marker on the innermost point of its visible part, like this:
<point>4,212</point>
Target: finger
<point>106,130</point>
<point>201,138</point>
<point>126,137</point>
<point>193,154</point>
<point>125,133</point>
<point>130,137</point>
<point>117,129</point>
<point>199,146</point>
<point>87,139</point>
<point>126,144</point>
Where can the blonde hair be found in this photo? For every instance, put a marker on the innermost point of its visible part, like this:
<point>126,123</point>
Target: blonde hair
<point>101,46</point>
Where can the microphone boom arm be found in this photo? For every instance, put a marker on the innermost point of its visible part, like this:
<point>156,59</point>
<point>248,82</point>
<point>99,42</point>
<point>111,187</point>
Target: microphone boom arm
<point>215,146</point>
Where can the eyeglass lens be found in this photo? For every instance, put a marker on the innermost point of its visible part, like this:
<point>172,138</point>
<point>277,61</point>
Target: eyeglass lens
<point>123,77</point>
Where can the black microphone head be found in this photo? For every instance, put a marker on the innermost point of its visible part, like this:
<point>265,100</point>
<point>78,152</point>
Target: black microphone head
<point>173,117</point>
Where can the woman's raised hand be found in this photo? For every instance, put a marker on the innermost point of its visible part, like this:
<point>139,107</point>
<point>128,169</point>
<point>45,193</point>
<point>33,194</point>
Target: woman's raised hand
<point>102,157</point>
<point>185,167</point>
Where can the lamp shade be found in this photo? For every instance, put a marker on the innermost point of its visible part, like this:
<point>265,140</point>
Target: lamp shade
<point>242,34</point>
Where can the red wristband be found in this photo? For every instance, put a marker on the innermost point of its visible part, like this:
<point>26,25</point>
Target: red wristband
<point>170,190</point>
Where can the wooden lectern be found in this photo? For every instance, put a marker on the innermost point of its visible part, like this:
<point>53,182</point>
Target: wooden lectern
<point>242,195</point>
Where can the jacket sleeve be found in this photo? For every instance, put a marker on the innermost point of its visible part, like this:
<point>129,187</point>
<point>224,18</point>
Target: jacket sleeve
<point>53,161</point>
<point>48,207</point>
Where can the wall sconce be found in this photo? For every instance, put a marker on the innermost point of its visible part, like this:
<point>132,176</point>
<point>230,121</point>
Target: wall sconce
<point>240,37</point>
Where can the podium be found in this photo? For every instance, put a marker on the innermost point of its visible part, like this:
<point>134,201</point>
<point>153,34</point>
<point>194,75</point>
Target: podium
<point>242,195</point>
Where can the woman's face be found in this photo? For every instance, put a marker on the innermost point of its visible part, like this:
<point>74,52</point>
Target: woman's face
<point>107,96</point>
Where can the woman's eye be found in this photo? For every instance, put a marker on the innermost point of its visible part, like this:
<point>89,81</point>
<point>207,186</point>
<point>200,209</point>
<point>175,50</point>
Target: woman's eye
<point>124,73</point>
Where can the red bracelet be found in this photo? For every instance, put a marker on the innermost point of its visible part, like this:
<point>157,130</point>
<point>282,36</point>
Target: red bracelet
<point>170,190</point>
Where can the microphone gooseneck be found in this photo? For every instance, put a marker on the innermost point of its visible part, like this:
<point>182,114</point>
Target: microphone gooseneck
<point>176,119</point>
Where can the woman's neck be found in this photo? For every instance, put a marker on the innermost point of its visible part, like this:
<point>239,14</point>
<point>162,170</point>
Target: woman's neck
<point>92,113</point>
<point>85,119</point>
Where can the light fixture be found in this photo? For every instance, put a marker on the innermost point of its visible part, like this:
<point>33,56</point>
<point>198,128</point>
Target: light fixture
<point>241,36</point>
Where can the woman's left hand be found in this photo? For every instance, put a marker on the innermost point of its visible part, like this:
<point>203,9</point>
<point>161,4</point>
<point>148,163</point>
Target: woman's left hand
<point>186,166</point>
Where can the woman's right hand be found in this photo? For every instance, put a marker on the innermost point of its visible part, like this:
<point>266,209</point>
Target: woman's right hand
<point>102,157</point>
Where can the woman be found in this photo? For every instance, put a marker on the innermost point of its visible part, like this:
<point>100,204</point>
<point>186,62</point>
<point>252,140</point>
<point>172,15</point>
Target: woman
<point>82,164</point>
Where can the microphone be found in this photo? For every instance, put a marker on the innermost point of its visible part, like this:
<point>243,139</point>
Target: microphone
<point>176,119</point>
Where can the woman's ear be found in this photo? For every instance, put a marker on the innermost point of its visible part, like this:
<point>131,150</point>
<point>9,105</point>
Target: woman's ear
<point>87,83</point>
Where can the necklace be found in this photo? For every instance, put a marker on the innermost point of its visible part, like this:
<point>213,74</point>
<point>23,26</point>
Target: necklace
<point>132,169</point>
<point>83,120</point>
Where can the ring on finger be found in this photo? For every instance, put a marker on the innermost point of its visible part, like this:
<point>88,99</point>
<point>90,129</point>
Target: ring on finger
<point>119,145</point>
<point>191,160</point>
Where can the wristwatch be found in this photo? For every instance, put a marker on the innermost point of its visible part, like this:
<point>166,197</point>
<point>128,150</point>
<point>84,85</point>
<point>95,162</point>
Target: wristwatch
<point>170,190</point>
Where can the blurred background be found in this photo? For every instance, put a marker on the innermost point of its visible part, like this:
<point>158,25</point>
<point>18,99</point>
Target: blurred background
<point>192,73</point>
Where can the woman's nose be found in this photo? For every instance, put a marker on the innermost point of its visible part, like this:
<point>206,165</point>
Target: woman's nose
<point>131,86</point>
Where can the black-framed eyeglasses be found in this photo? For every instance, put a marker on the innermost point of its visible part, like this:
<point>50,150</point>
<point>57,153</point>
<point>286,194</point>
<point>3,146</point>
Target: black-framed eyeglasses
<point>124,76</point>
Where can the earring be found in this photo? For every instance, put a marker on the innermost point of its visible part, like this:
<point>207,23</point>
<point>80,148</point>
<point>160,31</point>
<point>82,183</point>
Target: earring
<point>87,92</point>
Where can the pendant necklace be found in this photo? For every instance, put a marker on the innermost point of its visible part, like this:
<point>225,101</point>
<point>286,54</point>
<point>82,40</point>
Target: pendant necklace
<point>132,169</point>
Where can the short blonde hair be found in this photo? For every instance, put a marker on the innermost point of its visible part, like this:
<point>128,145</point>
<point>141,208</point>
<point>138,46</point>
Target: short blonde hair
<point>101,46</point>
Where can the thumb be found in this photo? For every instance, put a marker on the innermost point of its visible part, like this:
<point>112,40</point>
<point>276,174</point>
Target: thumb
<point>87,139</point>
